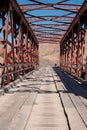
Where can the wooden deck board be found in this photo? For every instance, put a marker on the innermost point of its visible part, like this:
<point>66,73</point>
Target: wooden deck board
<point>45,100</point>
<point>47,113</point>
<point>72,104</point>
<point>74,93</point>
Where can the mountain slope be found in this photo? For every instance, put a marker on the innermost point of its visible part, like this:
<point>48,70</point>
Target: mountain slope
<point>48,54</point>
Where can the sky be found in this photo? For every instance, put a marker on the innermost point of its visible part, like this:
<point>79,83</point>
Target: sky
<point>57,12</point>
<point>49,12</point>
<point>52,1</point>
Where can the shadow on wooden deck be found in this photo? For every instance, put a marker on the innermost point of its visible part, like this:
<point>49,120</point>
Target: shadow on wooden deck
<point>71,84</point>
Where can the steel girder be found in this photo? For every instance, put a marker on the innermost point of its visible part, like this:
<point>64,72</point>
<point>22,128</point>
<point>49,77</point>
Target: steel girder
<point>71,39</point>
<point>73,46</point>
<point>18,44</point>
<point>58,24</point>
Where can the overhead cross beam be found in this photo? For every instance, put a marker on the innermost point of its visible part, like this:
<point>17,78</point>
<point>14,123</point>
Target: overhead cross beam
<point>55,24</point>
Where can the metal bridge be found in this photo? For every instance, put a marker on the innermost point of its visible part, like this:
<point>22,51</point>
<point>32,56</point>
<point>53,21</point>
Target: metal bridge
<point>43,98</point>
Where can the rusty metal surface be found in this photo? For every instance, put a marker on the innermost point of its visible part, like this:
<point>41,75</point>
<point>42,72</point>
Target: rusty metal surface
<point>21,31</point>
<point>67,28</point>
<point>49,27</point>
<point>16,38</point>
<point>74,45</point>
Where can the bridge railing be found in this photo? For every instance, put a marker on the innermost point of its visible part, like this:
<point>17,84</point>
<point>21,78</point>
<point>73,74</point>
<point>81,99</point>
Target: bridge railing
<point>18,44</point>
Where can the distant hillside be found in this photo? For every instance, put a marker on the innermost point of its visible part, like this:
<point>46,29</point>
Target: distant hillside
<point>48,54</point>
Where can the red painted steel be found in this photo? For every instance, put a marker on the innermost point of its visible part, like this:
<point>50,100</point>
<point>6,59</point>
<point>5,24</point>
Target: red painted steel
<point>74,44</point>
<point>60,23</point>
<point>16,39</point>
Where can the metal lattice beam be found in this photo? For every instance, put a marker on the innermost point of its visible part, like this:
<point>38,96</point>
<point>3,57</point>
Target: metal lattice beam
<point>59,23</point>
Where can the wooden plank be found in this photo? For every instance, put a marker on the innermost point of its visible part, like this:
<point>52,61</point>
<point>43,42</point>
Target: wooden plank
<point>74,89</point>
<point>12,106</point>
<point>81,108</point>
<point>47,112</point>
<point>74,119</point>
<point>16,106</point>
<point>19,121</point>
<point>81,92</point>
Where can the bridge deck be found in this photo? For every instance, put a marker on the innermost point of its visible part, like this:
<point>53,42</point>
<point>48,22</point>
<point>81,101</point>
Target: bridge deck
<point>48,99</point>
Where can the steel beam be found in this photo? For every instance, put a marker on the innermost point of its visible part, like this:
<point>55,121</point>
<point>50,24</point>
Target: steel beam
<point>15,37</point>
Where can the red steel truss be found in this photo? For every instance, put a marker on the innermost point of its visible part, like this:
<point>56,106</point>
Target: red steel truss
<point>68,29</point>
<point>20,29</point>
<point>18,44</point>
<point>48,26</point>
<point>73,46</point>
